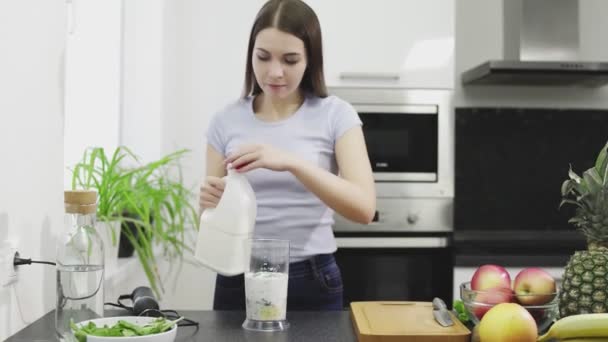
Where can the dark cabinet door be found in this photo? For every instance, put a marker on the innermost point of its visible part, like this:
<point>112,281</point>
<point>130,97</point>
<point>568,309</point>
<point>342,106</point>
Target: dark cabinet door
<point>510,165</point>
<point>409,274</point>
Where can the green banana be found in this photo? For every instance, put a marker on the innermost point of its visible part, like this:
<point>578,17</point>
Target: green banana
<point>580,327</point>
<point>586,339</point>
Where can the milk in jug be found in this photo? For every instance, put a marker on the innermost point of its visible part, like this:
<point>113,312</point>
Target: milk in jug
<point>224,230</point>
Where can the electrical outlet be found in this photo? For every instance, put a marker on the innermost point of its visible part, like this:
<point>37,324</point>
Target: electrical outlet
<point>8,272</point>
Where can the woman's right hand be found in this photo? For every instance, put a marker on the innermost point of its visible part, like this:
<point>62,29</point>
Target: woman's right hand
<point>211,192</point>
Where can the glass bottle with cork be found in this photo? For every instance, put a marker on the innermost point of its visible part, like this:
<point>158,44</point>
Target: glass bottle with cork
<point>80,264</point>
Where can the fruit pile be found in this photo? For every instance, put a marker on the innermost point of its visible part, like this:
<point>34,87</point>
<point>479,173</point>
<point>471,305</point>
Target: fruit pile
<point>532,287</point>
<point>511,310</point>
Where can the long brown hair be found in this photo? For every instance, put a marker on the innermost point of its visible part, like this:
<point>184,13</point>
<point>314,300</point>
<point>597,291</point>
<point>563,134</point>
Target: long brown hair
<point>296,18</point>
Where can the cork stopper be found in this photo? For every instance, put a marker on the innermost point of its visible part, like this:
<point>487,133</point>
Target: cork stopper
<point>80,201</point>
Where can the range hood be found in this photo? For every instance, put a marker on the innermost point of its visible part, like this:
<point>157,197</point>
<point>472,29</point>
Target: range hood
<point>541,47</point>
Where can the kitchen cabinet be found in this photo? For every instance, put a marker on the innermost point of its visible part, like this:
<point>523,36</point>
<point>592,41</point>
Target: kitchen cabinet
<point>406,43</point>
<point>463,274</point>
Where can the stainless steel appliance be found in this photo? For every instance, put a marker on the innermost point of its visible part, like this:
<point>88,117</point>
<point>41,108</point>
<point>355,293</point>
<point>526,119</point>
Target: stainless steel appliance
<point>410,134</point>
<point>406,252</point>
<point>410,140</point>
<point>543,45</point>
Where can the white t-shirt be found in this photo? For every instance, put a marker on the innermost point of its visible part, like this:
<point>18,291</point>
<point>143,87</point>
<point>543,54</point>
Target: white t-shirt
<point>286,209</point>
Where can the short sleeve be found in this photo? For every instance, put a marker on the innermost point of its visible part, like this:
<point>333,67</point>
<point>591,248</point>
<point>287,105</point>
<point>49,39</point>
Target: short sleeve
<point>344,117</point>
<point>216,134</point>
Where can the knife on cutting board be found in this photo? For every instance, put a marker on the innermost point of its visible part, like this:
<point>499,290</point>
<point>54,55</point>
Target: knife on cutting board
<point>441,313</point>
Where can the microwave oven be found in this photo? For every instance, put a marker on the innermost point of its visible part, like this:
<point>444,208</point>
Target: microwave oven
<point>409,137</point>
<point>409,134</point>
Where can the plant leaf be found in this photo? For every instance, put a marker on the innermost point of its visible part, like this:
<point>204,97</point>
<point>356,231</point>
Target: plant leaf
<point>601,164</point>
<point>592,180</point>
<point>567,187</point>
<point>564,201</point>
<point>573,175</point>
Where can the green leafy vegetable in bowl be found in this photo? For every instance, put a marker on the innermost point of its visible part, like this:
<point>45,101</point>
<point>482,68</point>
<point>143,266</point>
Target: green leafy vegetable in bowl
<point>458,306</point>
<point>122,328</point>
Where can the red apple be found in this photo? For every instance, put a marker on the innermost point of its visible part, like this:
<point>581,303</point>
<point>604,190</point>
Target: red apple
<point>484,300</point>
<point>490,276</point>
<point>534,286</point>
<point>508,322</point>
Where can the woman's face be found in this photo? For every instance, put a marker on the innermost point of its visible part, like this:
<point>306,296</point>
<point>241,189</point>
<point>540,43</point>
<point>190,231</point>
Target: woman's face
<point>279,62</point>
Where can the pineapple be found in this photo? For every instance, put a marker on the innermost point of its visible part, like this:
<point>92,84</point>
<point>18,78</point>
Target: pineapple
<point>585,279</point>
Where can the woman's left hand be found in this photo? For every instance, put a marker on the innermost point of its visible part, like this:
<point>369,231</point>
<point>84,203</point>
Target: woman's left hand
<point>254,156</point>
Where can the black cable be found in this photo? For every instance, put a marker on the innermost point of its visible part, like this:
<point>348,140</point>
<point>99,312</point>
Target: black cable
<point>168,314</point>
<point>118,306</point>
<point>171,315</point>
<point>17,261</point>
<point>43,262</point>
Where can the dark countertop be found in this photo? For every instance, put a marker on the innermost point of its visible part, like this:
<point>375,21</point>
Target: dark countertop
<point>226,326</point>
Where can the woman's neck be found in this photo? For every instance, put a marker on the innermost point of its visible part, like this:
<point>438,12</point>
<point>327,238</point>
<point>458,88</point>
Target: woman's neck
<point>270,109</point>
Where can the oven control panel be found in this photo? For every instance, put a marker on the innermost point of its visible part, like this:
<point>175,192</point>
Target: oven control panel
<point>404,215</point>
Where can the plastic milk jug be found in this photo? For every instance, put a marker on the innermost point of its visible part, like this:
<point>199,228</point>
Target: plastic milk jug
<point>225,229</point>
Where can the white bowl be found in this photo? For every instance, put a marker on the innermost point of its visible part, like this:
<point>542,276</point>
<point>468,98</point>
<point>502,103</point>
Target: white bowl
<point>167,336</point>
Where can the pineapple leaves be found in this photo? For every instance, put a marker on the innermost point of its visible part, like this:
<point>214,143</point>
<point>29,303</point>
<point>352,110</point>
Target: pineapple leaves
<point>573,175</point>
<point>567,186</point>
<point>601,164</point>
<point>589,194</point>
<point>569,201</point>
<point>593,180</point>
<point>576,221</point>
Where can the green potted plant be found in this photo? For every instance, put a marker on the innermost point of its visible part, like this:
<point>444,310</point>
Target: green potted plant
<point>150,197</point>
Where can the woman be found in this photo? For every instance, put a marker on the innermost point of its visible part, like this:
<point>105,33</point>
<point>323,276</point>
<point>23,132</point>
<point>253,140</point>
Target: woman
<point>290,139</point>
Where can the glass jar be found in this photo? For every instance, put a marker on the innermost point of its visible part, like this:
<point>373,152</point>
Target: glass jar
<point>80,264</point>
<point>266,283</point>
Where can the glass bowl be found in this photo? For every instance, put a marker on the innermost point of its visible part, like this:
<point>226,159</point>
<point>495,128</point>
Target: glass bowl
<point>543,307</point>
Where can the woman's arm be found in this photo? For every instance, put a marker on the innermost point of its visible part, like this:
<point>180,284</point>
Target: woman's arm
<point>352,194</point>
<point>214,163</point>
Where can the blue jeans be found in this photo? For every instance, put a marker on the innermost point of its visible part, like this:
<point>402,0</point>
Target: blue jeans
<point>314,285</point>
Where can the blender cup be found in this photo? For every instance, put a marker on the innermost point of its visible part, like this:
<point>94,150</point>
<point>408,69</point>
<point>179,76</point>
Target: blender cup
<point>266,281</point>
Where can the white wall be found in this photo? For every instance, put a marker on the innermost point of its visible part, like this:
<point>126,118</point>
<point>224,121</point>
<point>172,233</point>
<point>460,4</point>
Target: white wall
<point>204,46</point>
<point>163,113</point>
<point>93,79</point>
<point>31,144</point>
<point>593,26</point>
<point>143,87</point>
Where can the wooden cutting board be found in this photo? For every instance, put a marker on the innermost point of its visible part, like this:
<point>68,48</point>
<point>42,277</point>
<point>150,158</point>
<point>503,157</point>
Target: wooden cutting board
<point>403,322</point>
